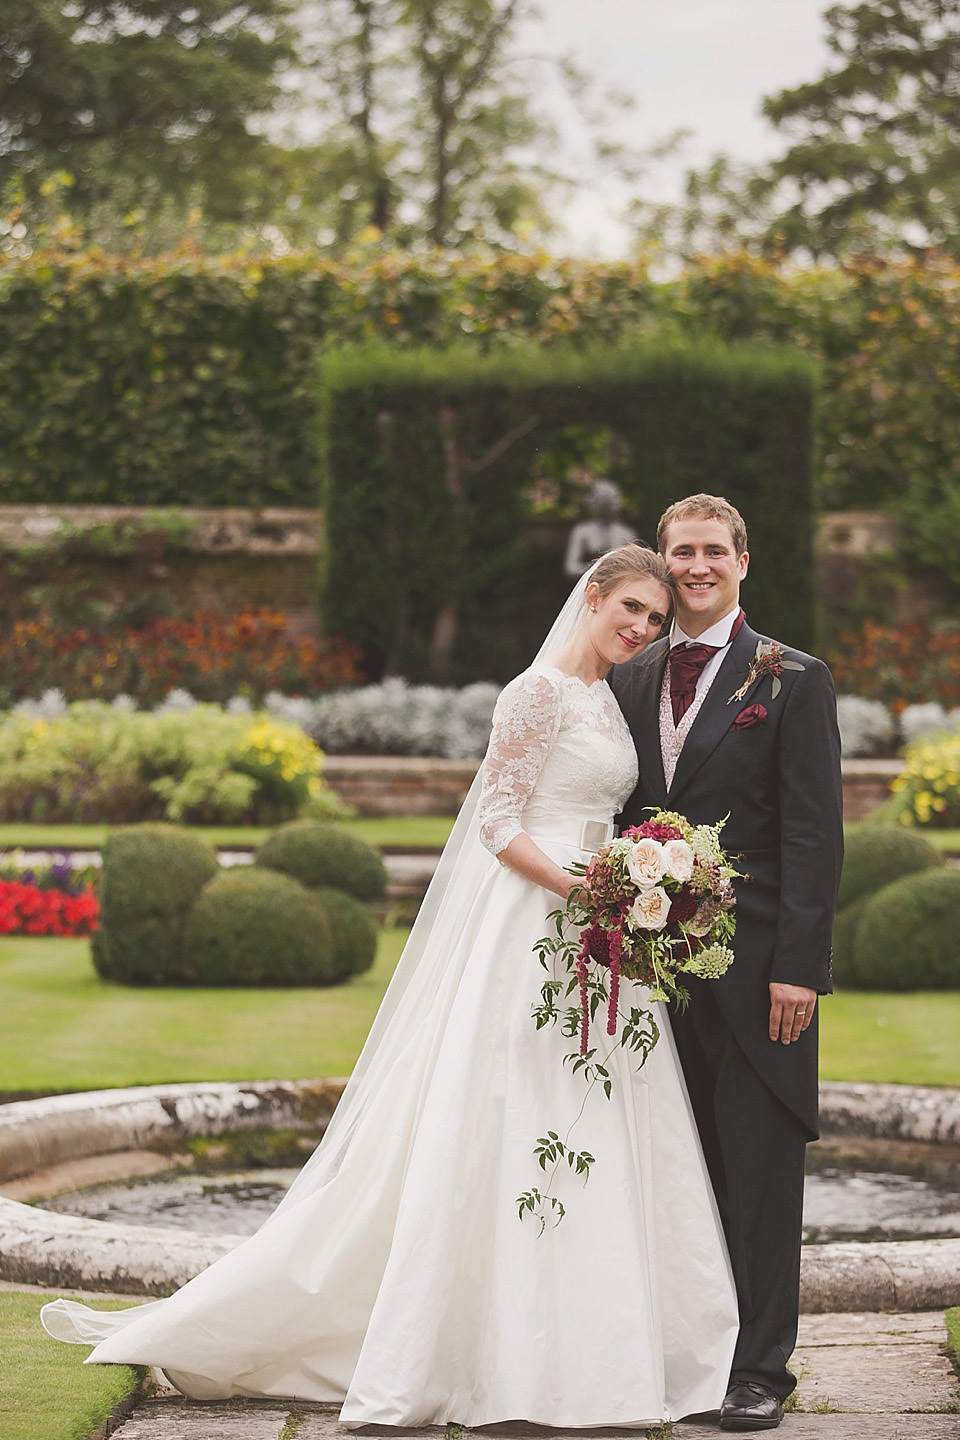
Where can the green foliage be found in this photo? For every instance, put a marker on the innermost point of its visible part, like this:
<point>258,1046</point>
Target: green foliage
<point>908,937</point>
<point>325,856</point>
<point>145,91</point>
<point>189,380</point>
<point>255,927</point>
<point>928,786</point>
<point>115,765</point>
<point>151,876</point>
<point>173,383</point>
<point>874,855</point>
<point>429,563</point>
<point>353,929</point>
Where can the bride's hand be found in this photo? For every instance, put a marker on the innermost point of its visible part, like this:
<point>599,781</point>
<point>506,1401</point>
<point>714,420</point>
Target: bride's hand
<point>578,884</point>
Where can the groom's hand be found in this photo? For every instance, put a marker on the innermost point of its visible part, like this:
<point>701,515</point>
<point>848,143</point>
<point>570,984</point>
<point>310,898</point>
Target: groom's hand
<point>791,1010</point>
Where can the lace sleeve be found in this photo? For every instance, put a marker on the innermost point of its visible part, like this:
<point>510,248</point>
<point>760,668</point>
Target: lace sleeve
<point>525,723</point>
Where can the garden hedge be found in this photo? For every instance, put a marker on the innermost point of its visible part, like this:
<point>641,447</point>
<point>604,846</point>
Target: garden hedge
<point>188,379</point>
<point>908,936</point>
<point>875,855</point>
<point>151,876</point>
<point>255,927</point>
<point>428,455</point>
<point>324,856</point>
<point>170,915</point>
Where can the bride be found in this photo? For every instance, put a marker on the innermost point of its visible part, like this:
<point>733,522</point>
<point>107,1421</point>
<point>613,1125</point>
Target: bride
<point>395,1277</point>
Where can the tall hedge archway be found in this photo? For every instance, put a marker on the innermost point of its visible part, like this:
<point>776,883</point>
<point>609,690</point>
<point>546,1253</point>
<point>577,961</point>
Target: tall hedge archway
<point>431,560</point>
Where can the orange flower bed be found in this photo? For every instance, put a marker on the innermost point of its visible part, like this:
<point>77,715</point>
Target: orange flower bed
<point>900,665</point>
<point>214,657</point>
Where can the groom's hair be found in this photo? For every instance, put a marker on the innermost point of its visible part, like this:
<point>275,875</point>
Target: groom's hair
<point>704,507</point>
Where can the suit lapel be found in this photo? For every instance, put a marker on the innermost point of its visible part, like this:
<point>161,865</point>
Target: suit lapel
<point>643,716</point>
<point>715,715</point>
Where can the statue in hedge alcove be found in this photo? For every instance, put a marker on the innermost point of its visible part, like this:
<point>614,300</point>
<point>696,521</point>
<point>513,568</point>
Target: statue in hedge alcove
<point>604,531</point>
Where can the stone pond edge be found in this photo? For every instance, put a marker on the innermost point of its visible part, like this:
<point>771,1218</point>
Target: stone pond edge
<point>44,1247</point>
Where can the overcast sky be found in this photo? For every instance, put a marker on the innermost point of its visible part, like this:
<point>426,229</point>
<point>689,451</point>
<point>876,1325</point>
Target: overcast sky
<point>701,64</point>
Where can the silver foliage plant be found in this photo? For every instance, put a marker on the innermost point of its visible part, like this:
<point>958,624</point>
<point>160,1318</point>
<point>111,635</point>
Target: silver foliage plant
<point>919,720</point>
<point>866,726</point>
<point>394,718</point>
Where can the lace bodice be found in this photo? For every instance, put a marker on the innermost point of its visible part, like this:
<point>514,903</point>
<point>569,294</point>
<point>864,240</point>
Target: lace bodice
<point>559,748</point>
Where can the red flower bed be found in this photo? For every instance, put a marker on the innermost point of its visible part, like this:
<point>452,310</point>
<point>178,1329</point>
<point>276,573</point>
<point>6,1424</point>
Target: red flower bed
<point>29,910</point>
<point>214,657</point>
<point>902,665</point>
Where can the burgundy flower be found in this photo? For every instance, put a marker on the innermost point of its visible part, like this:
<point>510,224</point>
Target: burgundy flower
<point>684,906</point>
<point>598,943</point>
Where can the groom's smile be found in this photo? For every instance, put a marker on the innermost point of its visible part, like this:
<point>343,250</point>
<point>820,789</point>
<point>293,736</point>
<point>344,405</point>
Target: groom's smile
<point>703,558</point>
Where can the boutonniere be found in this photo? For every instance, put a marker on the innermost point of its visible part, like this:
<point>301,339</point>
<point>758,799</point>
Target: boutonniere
<point>767,660</point>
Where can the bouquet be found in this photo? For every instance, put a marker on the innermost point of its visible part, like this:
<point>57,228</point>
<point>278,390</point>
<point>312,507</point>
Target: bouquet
<point>655,904</point>
<point>658,902</point>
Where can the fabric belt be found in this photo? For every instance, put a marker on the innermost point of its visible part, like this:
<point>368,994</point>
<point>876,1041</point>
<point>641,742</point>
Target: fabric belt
<point>586,835</point>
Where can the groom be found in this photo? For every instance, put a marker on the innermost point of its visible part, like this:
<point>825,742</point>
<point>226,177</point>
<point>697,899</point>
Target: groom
<point>728,723</point>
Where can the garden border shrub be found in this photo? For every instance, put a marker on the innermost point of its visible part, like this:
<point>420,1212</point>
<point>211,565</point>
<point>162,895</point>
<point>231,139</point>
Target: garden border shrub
<point>151,877</point>
<point>426,453</point>
<point>908,936</point>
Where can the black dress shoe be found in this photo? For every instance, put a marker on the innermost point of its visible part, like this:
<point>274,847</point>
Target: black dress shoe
<point>747,1406</point>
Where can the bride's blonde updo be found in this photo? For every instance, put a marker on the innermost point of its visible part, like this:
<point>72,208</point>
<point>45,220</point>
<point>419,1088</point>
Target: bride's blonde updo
<point>631,562</point>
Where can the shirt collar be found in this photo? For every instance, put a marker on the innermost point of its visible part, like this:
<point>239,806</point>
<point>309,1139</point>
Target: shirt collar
<point>718,634</point>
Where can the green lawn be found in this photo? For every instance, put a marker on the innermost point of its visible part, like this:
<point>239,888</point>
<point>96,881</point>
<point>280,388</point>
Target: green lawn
<point>46,1392</point>
<point>62,1028</point>
<point>909,1039</point>
<point>414,832</point>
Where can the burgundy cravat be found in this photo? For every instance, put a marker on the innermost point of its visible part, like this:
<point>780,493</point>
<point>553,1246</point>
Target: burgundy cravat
<point>686,666</point>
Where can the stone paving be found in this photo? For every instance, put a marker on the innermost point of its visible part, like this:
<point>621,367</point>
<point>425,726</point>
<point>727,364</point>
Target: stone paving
<point>862,1377</point>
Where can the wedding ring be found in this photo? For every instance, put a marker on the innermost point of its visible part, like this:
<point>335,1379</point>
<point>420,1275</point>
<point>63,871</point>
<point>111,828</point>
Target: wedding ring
<point>801,1012</point>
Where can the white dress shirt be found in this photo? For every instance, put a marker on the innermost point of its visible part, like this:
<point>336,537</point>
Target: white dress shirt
<point>718,634</point>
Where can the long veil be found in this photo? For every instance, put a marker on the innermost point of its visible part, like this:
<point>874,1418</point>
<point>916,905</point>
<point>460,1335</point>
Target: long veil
<point>411,996</point>
<point>419,970</point>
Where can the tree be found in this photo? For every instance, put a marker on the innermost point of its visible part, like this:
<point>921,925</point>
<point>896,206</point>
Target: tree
<point>148,92</point>
<point>429,109</point>
<point>877,138</point>
<point>873,163</point>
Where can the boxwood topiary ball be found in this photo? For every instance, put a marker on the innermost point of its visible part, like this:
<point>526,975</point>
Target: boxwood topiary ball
<point>876,854</point>
<point>844,932</point>
<point>908,937</point>
<point>354,931</point>
<point>324,856</point>
<point>150,878</point>
<point>257,927</point>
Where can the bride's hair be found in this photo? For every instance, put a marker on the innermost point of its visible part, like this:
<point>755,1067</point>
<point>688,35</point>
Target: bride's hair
<point>631,562</point>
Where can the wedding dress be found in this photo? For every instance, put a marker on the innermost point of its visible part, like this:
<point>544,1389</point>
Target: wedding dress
<point>396,1276</point>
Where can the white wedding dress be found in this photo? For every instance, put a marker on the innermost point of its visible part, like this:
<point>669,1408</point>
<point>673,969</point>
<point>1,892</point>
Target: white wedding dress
<point>396,1277</point>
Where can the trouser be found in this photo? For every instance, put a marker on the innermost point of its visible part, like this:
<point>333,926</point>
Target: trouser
<point>754,1147</point>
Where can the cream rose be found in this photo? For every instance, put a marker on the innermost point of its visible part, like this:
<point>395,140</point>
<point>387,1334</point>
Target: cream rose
<point>677,860</point>
<point>650,909</point>
<point>645,863</point>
